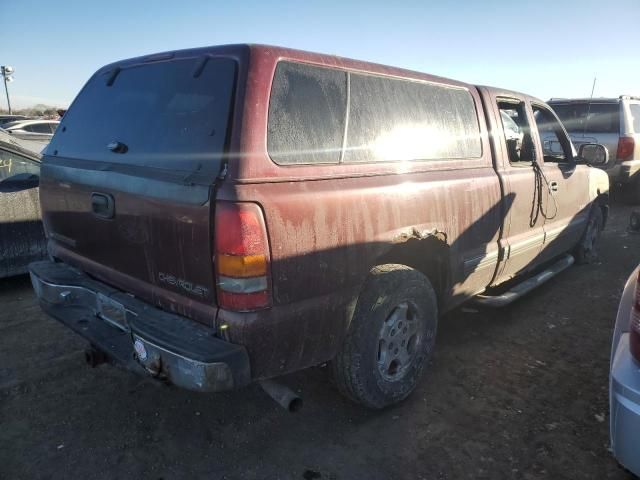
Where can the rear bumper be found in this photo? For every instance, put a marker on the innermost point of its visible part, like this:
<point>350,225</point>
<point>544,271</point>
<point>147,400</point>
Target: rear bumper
<point>137,335</point>
<point>625,407</point>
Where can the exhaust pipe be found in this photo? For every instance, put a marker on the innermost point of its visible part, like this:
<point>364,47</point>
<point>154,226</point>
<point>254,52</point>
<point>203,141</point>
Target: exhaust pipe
<point>283,395</point>
<point>94,357</point>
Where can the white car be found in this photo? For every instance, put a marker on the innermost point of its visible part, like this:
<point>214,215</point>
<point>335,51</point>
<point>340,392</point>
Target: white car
<point>33,135</point>
<point>624,378</point>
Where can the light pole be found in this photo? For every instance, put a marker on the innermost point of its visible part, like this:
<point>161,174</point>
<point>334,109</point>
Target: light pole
<point>6,76</point>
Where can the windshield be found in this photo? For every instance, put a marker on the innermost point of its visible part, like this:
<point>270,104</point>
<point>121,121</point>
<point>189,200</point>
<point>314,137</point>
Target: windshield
<point>159,115</point>
<point>594,118</point>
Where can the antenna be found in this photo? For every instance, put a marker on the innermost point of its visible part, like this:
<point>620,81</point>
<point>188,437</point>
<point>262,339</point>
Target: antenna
<point>586,120</point>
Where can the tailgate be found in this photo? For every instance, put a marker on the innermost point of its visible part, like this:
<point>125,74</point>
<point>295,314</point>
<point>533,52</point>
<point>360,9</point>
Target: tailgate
<point>126,182</point>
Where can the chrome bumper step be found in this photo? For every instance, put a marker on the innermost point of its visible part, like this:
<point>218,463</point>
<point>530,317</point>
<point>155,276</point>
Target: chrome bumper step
<point>496,301</point>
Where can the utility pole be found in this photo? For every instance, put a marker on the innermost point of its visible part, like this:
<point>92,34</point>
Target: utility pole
<point>7,78</point>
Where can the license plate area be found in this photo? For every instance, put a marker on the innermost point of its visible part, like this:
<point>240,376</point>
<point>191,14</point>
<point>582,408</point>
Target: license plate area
<point>112,312</point>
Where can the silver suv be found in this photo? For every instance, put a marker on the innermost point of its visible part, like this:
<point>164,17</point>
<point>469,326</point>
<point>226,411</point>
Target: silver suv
<point>614,123</point>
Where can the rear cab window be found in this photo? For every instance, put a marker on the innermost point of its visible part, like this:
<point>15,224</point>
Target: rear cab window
<point>170,115</point>
<point>321,115</point>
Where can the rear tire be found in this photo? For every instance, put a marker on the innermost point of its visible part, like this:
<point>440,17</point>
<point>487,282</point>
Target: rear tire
<point>586,251</point>
<point>390,339</point>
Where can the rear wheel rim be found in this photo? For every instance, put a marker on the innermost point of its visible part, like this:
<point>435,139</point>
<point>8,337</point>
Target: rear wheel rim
<point>399,342</point>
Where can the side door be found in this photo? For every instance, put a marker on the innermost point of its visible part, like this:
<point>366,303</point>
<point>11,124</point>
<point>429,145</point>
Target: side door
<point>565,184</point>
<point>514,149</point>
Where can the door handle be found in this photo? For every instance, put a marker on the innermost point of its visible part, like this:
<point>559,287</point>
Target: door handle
<point>553,186</point>
<point>102,205</point>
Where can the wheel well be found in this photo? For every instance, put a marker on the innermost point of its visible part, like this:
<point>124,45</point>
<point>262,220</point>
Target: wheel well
<point>430,256</point>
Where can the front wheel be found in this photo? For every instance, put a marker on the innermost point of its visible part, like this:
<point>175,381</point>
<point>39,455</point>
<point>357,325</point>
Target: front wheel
<point>586,251</point>
<point>390,339</point>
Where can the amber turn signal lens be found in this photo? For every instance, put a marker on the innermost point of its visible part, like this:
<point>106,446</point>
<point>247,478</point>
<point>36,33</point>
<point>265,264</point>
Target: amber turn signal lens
<point>242,266</point>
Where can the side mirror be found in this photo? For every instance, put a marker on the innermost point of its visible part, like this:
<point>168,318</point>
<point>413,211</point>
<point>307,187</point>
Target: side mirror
<point>19,182</point>
<point>593,154</point>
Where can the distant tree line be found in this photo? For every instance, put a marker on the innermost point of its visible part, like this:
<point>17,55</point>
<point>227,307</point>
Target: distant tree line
<point>35,111</point>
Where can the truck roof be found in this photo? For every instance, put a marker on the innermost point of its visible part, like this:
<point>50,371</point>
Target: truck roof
<point>502,92</point>
<point>594,100</point>
<point>271,53</point>
<point>584,100</point>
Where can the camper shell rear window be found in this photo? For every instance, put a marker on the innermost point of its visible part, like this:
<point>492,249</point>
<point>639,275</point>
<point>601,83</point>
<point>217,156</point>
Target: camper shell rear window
<point>167,115</point>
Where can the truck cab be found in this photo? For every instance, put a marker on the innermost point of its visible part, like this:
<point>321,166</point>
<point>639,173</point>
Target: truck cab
<point>240,212</point>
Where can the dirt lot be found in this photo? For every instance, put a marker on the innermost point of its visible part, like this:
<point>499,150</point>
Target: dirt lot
<point>515,393</point>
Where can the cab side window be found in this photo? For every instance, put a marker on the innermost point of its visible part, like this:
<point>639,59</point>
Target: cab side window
<point>555,145</point>
<point>517,133</point>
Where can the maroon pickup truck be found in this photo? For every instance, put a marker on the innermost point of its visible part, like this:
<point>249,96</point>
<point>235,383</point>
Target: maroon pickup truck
<point>230,214</point>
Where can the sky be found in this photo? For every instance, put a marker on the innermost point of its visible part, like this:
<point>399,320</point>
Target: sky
<point>543,48</point>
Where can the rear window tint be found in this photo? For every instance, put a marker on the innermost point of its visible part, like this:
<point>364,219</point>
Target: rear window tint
<point>594,118</point>
<point>392,119</point>
<point>307,112</point>
<point>169,117</point>
<point>635,114</point>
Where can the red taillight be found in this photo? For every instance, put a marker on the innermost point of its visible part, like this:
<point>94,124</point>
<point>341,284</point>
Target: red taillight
<point>626,146</point>
<point>241,257</point>
<point>634,327</point>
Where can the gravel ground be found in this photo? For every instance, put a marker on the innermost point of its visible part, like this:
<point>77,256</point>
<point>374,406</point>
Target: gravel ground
<point>518,393</point>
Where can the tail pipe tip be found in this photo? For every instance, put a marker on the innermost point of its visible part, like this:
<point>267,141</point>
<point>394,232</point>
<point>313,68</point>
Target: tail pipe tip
<point>283,395</point>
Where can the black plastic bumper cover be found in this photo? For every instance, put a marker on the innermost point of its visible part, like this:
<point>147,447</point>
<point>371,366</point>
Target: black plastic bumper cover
<point>167,346</point>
